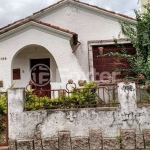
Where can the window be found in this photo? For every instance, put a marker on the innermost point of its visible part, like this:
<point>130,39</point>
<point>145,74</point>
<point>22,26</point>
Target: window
<point>16,74</point>
<point>109,63</point>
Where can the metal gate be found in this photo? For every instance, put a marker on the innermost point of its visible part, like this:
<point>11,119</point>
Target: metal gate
<point>3,119</point>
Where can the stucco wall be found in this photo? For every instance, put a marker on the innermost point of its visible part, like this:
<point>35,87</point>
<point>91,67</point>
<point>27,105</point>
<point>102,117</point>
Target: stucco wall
<point>88,24</point>
<point>57,45</point>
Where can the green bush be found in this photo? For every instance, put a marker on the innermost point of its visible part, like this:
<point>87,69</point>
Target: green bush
<point>3,112</point>
<point>3,101</point>
<point>3,104</point>
<point>78,97</point>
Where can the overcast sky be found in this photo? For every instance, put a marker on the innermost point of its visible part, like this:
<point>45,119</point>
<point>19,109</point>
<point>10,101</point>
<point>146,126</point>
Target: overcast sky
<point>13,10</point>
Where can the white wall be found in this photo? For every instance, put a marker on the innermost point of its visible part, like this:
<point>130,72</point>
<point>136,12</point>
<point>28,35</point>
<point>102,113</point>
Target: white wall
<point>58,46</point>
<point>89,25</point>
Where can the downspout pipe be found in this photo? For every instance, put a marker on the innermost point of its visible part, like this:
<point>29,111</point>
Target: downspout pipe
<point>79,43</point>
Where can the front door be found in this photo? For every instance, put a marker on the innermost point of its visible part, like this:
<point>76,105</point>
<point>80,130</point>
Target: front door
<point>40,76</point>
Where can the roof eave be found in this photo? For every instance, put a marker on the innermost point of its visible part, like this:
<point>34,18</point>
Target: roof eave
<point>87,6</point>
<point>43,11</point>
<point>121,17</point>
<point>32,24</point>
<point>106,12</point>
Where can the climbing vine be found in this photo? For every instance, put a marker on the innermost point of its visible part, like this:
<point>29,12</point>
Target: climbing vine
<point>139,35</point>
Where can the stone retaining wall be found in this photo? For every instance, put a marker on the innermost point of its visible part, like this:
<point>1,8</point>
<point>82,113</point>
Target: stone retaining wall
<point>128,140</point>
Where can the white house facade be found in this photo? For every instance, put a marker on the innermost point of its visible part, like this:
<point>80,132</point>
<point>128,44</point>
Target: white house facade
<point>64,35</point>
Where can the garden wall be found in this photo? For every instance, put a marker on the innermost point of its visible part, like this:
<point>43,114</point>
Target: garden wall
<point>128,140</point>
<point>77,122</point>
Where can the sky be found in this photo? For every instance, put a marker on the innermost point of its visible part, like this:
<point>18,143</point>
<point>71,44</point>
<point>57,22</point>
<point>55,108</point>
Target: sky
<point>13,10</point>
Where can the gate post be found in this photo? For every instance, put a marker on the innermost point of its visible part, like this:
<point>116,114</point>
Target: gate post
<point>15,105</point>
<point>15,100</point>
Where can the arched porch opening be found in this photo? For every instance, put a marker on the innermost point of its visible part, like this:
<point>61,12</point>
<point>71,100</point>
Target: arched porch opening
<point>24,61</point>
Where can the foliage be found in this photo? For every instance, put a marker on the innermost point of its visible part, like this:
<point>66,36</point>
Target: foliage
<point>139,34</point>
<point>3,101</point>
<point>77,97</point>
<point>3,112</point>
<point>84,96</point>
<point>3,104</point>
<point>119,138</point>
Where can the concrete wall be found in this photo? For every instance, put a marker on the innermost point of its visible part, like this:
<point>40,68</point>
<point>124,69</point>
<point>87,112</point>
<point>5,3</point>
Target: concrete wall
<point>77,121</point>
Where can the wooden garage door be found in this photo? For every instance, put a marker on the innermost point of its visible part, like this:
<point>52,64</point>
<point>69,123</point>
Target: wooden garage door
<point>110,63</point>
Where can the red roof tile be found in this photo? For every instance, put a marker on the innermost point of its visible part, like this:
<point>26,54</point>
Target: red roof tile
<point>37,21</point>
<point>48,7</point>
<point>112,12</point>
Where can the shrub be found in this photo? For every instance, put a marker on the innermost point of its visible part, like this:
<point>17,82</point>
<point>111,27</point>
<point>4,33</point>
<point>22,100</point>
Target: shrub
<point>3,112</point>
<point>3,104</point>
<point>83,97</point>
<point>3,101</point>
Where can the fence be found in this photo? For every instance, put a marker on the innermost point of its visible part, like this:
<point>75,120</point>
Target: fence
<point>3,119</point>
<point>143,95</point>
<point>105,95</point>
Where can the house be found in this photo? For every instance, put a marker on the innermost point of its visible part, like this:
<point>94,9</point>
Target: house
<point>65,38</point>
<point>54,45</point>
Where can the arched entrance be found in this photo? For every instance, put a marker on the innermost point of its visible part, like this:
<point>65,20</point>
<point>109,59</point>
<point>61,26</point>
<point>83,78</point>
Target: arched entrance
<point>34,63</point>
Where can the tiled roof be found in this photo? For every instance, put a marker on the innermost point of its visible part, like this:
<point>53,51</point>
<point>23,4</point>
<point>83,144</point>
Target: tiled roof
<point>112,12</point>
<point>36,21</point>
<point>39,12</point>
<point>48,7</point>
<point>31,15</point>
